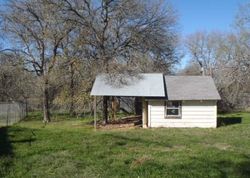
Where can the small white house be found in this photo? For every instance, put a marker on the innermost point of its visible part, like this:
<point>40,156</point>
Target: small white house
<point>168,101</point>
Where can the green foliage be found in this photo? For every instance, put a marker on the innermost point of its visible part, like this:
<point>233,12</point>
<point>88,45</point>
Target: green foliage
<point>69,147</point>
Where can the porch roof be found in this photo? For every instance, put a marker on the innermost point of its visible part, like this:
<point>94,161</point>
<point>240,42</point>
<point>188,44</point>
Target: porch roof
<point>144,85</point>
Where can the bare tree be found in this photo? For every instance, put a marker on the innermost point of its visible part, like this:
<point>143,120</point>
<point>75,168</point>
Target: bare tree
<point>104,36</point>
<point>37,30</point>
<point>117,35</point>
<point>202,47</point>
<point>225,56</point>
<point>193,68</point>
<point>15,84</point>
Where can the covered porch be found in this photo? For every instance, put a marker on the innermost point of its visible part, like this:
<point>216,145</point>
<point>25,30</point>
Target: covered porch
<point>119,119</point>
<point>139,87</point>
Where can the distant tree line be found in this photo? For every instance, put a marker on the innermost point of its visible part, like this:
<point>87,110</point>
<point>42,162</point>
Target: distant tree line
<point>226,57</point>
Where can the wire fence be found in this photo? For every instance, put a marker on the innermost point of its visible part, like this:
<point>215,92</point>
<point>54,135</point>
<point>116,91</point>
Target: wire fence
<point>11,112</point>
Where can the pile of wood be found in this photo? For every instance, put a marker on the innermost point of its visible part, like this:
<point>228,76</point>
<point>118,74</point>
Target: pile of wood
<point>124,122</point>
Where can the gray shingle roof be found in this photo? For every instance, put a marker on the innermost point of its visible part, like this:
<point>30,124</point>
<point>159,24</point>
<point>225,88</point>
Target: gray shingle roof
<point>147,85</point>
<point>191,88</point>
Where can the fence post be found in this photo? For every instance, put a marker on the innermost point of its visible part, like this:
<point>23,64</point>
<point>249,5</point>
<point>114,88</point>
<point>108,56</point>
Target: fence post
<point>7,116</point>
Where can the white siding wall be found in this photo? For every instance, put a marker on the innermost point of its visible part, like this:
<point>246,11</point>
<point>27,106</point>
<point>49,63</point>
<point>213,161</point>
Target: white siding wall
<point>193,114</point>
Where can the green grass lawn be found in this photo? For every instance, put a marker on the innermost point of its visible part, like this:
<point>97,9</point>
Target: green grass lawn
<point>69,147</point>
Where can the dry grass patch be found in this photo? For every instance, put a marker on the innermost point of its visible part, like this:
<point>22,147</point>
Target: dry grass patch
<point>140,161</point>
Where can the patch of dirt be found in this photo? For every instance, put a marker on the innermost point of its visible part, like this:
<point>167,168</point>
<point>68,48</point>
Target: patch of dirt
<point>139,161</point>
<point>125,122</point>
<point>222,146</point>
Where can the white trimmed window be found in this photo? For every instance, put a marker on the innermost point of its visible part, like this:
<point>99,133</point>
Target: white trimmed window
<point>173,109</point>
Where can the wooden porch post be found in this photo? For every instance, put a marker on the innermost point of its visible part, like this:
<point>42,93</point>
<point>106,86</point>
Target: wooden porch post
<point>144,113</point>
<point>95,112</point>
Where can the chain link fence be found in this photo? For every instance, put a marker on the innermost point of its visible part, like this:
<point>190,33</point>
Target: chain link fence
<point>11,112</point>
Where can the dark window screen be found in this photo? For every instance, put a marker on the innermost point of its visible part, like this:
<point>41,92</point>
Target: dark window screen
<point>173,112</point>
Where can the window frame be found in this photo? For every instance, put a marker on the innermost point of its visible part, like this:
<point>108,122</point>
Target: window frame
<point>172,107</point>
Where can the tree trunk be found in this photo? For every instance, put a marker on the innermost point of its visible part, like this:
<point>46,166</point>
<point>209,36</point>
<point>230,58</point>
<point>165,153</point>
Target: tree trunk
<point>46,109</point>
<point>114,107</point>
<point>105,110</point>
<point>26,106</point>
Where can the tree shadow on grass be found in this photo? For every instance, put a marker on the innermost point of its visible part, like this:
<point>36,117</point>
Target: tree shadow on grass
<point>243,168</point>
<point>9,136</point>
<point>214,168</point>
<point>22,135</point>
<point>229,120</point>
<point>121,140</point>
<point>6,151</point>
<point>5,144</point>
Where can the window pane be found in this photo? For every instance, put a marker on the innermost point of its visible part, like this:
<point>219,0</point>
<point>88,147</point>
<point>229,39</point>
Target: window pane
<point>173,104</point>
<point>173,112</point>
<point>176,104</point>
